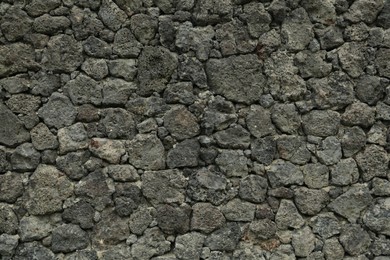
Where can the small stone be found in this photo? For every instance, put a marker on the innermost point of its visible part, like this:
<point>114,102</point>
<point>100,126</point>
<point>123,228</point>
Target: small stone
<point>329,151</point>
<point>293,148</point>
<point>126,45</point>
<point>34,228</point>
<point>358,114</point>
<point>110,150</point>
<point>377,134</point>
<point>315,175</point>
<point>312,64</point>
<point>9,222</point>
<point>25,157</point>
<point>259,121</point>
<point>310,201</point>
<point>382,63</point>
<point>144,27</point>
<point>321,123</point>
<point>369,89</point>
<point>345,172</point>
<point>111,15</point>
<point>50,25</point>
<point>225,238</point>
<point>235,137</point>
<point>12,131</point>
<point>33,250</point>
<point>42,138</point>
<point>191,69</point>
<point>72,138</point>
<point>173,220</point>
<point>375,218</point>
<point>380,187</point>
<point>355,239</point>
<point>283,173</point>
<point>68,238</point>
<point>73,164</point>
<point>8,244</point>
<point>262,229</point>
<point>206,218</point>
<point>122,173</point>
<point>95,68</point>
<point>151,244</point>
<point>181,123</point>
<point>118,123</point>
<point>333,249</point>
<point>97,48</point>
<point>117,91</point>
<point>184,154</point>
<point>11,187</point>
<point>373,162</point>
<point>353,140</point>
<point>303,241</point>
<point>325,224</point>
<point>127,198</point>
<point>80,213</point>
<point>166,186</point>
<point>123,68</point>
<point>351,203</point>
<point>286,118</point>
<point>253,188</point>
<point>150,107</point>
<point>141,219</point>
<point>10,31</point>
<point>288,216</point>
<point>188,246</point>
<point>181,92</point>
<point>232,163</point>
<point>238,210</point>
<point>84,90</point>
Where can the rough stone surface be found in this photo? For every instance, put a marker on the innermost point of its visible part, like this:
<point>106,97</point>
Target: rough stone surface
<point>68,238</point>
<point>12,131</point>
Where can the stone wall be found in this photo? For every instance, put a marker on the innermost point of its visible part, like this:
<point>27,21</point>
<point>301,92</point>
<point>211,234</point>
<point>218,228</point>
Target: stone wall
<point>194,129</point>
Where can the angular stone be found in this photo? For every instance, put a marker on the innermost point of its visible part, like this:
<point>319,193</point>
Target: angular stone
<point>321,123</point>
<point>355,239</point>
<point>286,118</point>
<point>206,218</point>
<point>364,10</point>
<point>184,154</point>
<point>382,111</point>
<point>123,68</point>
<point>333,249</point>
<point>80,213</point>
<point>303,241</point>
<point>68,238</point>
<point>253,188</point>
<point>293,148</point>
<point>25,158</point>
<point>146,152</point>
<point>166,186</point>
<point>44,85</point>
<point>329,151</point>
<point>369,89</point>
<point>353,140</point>
<point>141,219</point>
<point>127,198</point>
<point>212,11</point>
<point>283,173</point>
<point>173,220</point>
<point>9,222</point>
<point>375,218</point>
<point>225,238</point>
<point>259,121</point>
<point>345,172</point>
<point>155,68</point>
<point>110,150</point>
<point>144,27</point>
<point>73,164</point>
<point>312,64</point>
<point>238,210</point>
<point>232,163</point>
<point>126,45</point>
<point>150,107</point>
<point>23,103</point>
<point>12,131</point>
<point>257,19</point>
<point>84,254</point>
<point>117,91</point>
<point>310,201</point>
<point>189,246</point>
<point>122,173</point>
<point>380,187</point>
<point>10,63</point>
<point>325,224</point>
<point>377,134</point>
<point>262,229</point>
<point>36,7</point>
<point>97,48</point>
<point>118,123</point>
<point>33,250</point>
<point>84,90</point>
<point>191,69</point>
<point>358,114</point>
<point>288,216</point>
<point>95,68</point>
<point>58,112</point>
<point>72,138</point>
<point>42,138</point>
<point>373,162</point>
<point>351,203</point>
<point>34,228</point>
<point>264,150</point>
<point>63,54</point>
<point>12,31</point>
<point>352,58</point>
<point>320,11</point>
<point>383,18</point>
<point>8,244</point>
<point>181,123</point>
<point>167,6</point>
<point>11,187</point>
<point>297,30</point>
<point>111,15</point>
<point>50,25</point>
<point>181,92</point>
<point>235,137</point>
<point>380,246</point>
<point>219,114</point>
<point>85,22</point>
<point>151,244</point>
<point>238,78</point>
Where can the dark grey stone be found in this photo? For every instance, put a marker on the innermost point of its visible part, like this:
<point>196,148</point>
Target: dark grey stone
<point>95,68</point>
<point>181,123</point>
<point>23,103</point>
<point>50,25</point>
<point>111,15</point>
<point>80,213</point>
<point>333,249</point>
<point>235,137</point>
<point>144,27</point>
<point>344,172</point>
<point>364,10</point>
<point>184,154</point>
<point>353,140</point>
<point>359,114</point>
<point>264,150</point>
<point>25,158</point>
<point>233,163</point>
<point>12,131</point>
<point>34,228</point>
<point>239,210</point>
<point>107,149</point>
<point>321,123</point>
<point>9,222</point>
<point>329,151</point>
<point>11,187</point>
<point>11,31</point>
<point>181,92</point>
<point>8,244</point>
<point>72,138</point>
<point>288,216</point>
<point>373,162</point>
<point>123,68</point>
<point>380,187</point>
<point>173,220</point>
<point>42,138</point>
<point>212,12</point>
<point>325,224</point>
<point>310,201</point>
<point>297,30</point>
<point>118,123</point>
<point>190,68</point>
<point>284,173</point>
<point>286,118</point>
<point>293,148</point>
<point>355,239</point>
<point>73,164</point>
<point>225,238</point>
<point>116,91</point>
<point>97,48</point>
<point>33,250</point>
<point>206,218</point>
<point>189,246</point>
<point>253,188</point>
<point>315,175</point>
<point>303,241</point>
<point>141,219</point>
<point>127,198</point>
<point>125,44</point>
<point>375,218</point>
<point>69,238</point>
<point>151,244</point>
<point>259,121</point>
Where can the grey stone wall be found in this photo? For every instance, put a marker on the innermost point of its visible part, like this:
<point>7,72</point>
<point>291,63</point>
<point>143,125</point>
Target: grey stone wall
<point>194,129</point>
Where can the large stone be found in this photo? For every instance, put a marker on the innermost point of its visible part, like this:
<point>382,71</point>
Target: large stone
<point>12,131</point>
<point>297,30</point>
<point>206,218</point>
<point>235,137</point>
<point>8,244</point>
<point>233,163</point>
<point>95,68</point>
<point>11,187</point>
<point>80,213</point>
<point>126,45</point>
<point>25,158</point>
<point>257,19</point>
<point>238,78</point>
<point>329,151</point>
<point>181,123</point>
<point>63,54</point>
<point>12,31</point>
<point>239,210</point>
<point>72,138</point>
<point>383,18</point>
<point>36,7</point>
<point>310,201</point>
<point>333,249</point>
<point>58,112</point>
<point>369,89</point>
<point>375,218</point>
<point>146,152</point>
<point>16,58</point>
<point>33,250</point>
<point>181,92</point>
<point>173,220</point>
<point>219,114</point>
<point>359,114</point>
<point>355,239</point>
<point>225,238</point>
<point>303,241</point>
<point>42,138</point>
<point>352,58</point>
<point>150,106</point>
<point>141,219</point>
<point>84,90</point>
<point>97,48</point>
<point>283,173</point>
<point>184,154</point>
<point>259,121</point>
<point>109,150</point>
<point>325,224</point>
<point>111,15</point>
<point>68,238</point>
<point>321,123</point>
<point>262,229</point>
<point>127,198</point>
<point>151,244</point>
<point>166,186</point>
<point>345,172</point>
<point>288,216</point>
<point>351,203</point>
<point>117,91</point>
<point>118,123</point>
<point>50,25</point>
<point>189,246</point>
<point>320,11</point>
<point>34,228</point>
<point>23,103</point>
<point>9,222</point>
<point>373,162</point>
<point>253,188</point>
<point>313,64</point>
<point>123,68</point>
<point>364,10</point>
<point>191,69</point>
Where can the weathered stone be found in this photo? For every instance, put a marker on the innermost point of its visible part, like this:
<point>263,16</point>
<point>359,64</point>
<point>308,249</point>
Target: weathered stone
<point>155,68</point>
<point>151,106</point>
<point>16,84</point>
<point>44,85</point>
<point>206,218</point>
<point>8,220</point>
<point>380,187</point>
<point>72,138</point>
<point>358,114</point>
<point>97,48</point>
<point>166,186</point>
<point>110,150</point>
<point>118,123</point>
<point>11,187</point>
<point>16,58</point>
<point>329,151</point>
<point>225,238</point>
<point>212,11</point>
<point>377,134</point>
<point>373,162</point>
<point>219,114</point>
<point>36,7</point>
<point>310,201</point>
<point>144,27</point>
<point>151,244</point>
<point>34,228</point>
<point>288,216</point>
<point>303,241</point>
<point>117,91</point>
<point>173,220</point>
<point>8,244</point>
<point>383,18</point>
<point>232,163</point>
<point>283,173</point>
<point>297,30</point>
<point>207,185</point>
<point>380,246</point>
<point>50,25</point>
<point>259,121</point>
<point>192,69</point>
<point>355,239</point>
<point>111,15</point>
<point>286,118</point>
<point>126,45</point>
<point>382,111</point>
<point>42,138</point>
<point>84,90</point>
<point>235,137</point>
<point>320,11</point>
<point>33,250</point>
<point>23,103</point>
<point>382,63</point>
<point>353,141</point>
<point>369,89</point>
<point>315,175</point>
<point>253,188</point>
<point>263,150</point>
<point>345,172</point>
<point>25,158</point>
<point>262,229</point>
<point>352,59</point>
<point>121,173</point>
<point>11,31</point>
<point>85,22</point>
<point>351,203</point>
<point>146,152</point>
<point>293,148</point>
<point>364,10</point>
<point>238,210</point>
<point>181,123</point>
<point>127,198</point>
<point>69,238</point>
<point>321,123</point>
<point>189,246</point>
<point>375,218</point>
<point>325,224</point>
<point>141,219</point>
<point>184,154</point>
<point>80,213</point>
<point>12,131</point>
<point>95,68</point>
<point>84,254</point>
<point>181,92</point>
<point>242,82</point>
<point>123,68</point>
<point>73,164</point>
<point>333,249</point>
<point>312,64</point>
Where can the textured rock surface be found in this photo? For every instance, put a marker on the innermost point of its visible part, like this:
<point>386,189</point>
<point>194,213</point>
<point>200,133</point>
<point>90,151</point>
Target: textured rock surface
<point>183,129</point>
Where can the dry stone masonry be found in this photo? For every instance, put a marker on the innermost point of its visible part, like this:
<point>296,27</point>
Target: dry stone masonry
<point>194,129</point>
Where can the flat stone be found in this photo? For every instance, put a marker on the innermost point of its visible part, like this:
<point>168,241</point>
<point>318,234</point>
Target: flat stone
<point>181,123</point>
<point>72,138</point>
<point>50,25</point>
<point>97,48</point>
<point>283,173</point>
<point>262,229</point>
<point>238,210</point>
<point>364,10</point>
<point>310,201</point>
<point>380,187</point>
<point>110,150</point>
<point>369,89</point>
<point>126,45</point>
<point>206,218</point>
<point>235,137</point>
<point>181,92</point>
<point>355,239</point>
<point>315,175</point>
<point>23,103</point>
<point>73,164</point>
<point>288,216</point>
<point>11,31</point>
<point>184,154</point>
<point>141,219</point>
<point>212,12</point>
<point>35,250</point>
<point>123,68</point>
<point>321,123</point>
<point>333,249</point>
<point>84,90</point>
<point>352,59</point>
<point>123,173</point>
<point>36,8</point>
<point>345,172</point>
<point>259,121</point>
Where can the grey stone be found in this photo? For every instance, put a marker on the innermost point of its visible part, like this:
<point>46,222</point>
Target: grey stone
<point>383,18</point>
<point>25,158</point>
<point>34,228</point>
<point>4,161</point>
<point>11,187</point>
<point>190,68</point>
<point>10,63</point>
<point>355,239</point>
<point>97,48</point>
<point>111,15</point>
<point>232,163</point>
<point>363,10</point>
<point>303,241</point>
<point>16,84</point>
<point>257,19</point>
<point>310,201</point>
<point>352,59</point>
<point>122,173</point>
<point>344,172</point>
<point>382,62</point>
<point>264,150</point>
<point>383,111</point>
<point>36,7</point>
<point>63,54</point>
<point>283,173</point>
<point>353,140</point>
<point>225,238</point>
<point>96,189</point>
<point>8,244</point>
<point>173,220</point>
<point>73,164</point>
<point>109,150</point>
<point>184,154</point>
<point>235,137</point>
<point>144,27</point>
<point>206,218</point>
<point>312,64</point>
<point>69,238</point>
<point>207,185</point>
<point>123,68</point>
<point>80,213</point>
<point>127,198</point>
<point>320,11</point>
<point>329,151</point>
<point>315,175</point>
<point>83,255</point>
<point>380,187</point>
<point>219,114</point>
<point>72,138</point>
<point>325,224</point>
<point>334,92</point>
<point>85,22</point>
<point>146,152</point>
<point>380,246</point>
<point>151,106</point>
<point>259,122</point>
<point>375,218</point>
<point>357,32</point>
<point>181,123</point>
<point>84,90</point>
<point>33,250</point>
<point>126,45</point>
<point>333,249</point>
<point>286,118</point>
<point>283,252</point>
<point>141,219</point>
<point>95,68</point>
<point>351,203</point>
<point>239,210</point>
<point>117,91</point>
<point>23,103</point>
<point>288,216</point>
<point>120,251</point>
<point>147,126</point>
<point>118,123</point>
<point>373,162</point>
<point>42,138</point>
<point>11,31</point>
<point>293,148</point>
<point>377,134</point>
<point>321,123</point>
<point>238,78</point>
<point>262,229</point>
<point>44,85</point>
<point>166,186</point>
<point>358,114</point>
<point>181,92</point>
<point>155,68</point>
<point>9,222</point>
<point>12,131</point>
<point>50,25</point>
<point>188,246</point>
<point>58,112</point>
<point>297,30</point>
<point>151,244</point>
<point>253,188</point>
<point>212,11</point>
